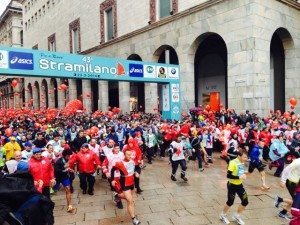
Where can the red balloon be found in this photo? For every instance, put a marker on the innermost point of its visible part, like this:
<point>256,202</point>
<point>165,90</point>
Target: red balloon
<point>8,132</point>
<point>14,83</point>
<point>88,132</point>
<point>94,130</point>
<point>63,87</point>
<point>293,101</point>
<point>207,107</point>
<point>286,115</point>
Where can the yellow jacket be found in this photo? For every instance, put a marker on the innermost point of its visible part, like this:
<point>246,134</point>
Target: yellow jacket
<point>10,149</point>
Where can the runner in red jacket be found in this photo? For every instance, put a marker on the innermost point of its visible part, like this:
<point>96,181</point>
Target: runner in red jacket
<point>136,156</point>
<point>87,163</point>
<point>42,171</point>
<point>126,182</point>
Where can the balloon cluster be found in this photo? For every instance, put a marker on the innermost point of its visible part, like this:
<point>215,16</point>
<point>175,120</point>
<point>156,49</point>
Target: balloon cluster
<point>72,107</point>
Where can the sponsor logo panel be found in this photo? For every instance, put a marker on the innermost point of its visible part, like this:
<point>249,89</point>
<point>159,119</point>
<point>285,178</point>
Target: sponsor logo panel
<point>173,73</point>
<point>149,71</point>
<point>3,59</point>
<point>162,72</point>
<point>136,70</point>
<point>20,60</point>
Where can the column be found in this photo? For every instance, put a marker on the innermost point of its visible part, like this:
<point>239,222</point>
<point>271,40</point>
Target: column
<point>124,96</point>
<point>86,88</point>
<point>61,96</point>
<point>103,95</point>
<point>151,101</point>
<point>72,89</point>
<point>17,96</point>
<point>35,97</point>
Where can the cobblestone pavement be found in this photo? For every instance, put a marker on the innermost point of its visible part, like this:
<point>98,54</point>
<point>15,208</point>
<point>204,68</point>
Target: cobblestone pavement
<point>199,201</point>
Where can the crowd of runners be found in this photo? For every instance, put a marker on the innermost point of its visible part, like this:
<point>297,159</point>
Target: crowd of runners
<point>55,148</point>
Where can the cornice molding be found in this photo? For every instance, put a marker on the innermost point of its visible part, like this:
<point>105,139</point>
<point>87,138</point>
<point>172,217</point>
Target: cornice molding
<point>170,19</point>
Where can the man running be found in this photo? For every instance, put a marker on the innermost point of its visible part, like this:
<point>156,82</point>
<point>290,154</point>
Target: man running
<point>176,149</point>
<point>42,171</point>
<point>236,175</point>
<point>256,155</point>
<point>289,179</point>
<point>87,162</point>
<point>107,165</point>
<point>61,173</point>
<point>126,184</point>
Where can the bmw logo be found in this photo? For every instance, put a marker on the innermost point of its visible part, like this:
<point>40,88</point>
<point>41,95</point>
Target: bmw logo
<point>173,71</point>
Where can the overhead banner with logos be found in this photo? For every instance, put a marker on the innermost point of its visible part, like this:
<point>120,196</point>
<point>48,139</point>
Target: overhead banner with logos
<point>34,63</point>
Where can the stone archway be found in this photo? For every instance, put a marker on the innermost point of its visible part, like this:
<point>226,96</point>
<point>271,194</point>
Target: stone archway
<point>280,54</point>
<point>210,69</point>
<point>166,54</point>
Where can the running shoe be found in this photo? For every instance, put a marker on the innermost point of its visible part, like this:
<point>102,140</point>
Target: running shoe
<point>224,219</point>
<point>135,221</point>
<point>115,197</point>
<point>173,178</point>
<point>184,178</point>
<point>277,201</point>
<point>139,191</point>
<point>120,204</point>
<point>238,219</point>
<point>70,209</point>
<point>285,216</point>
<point>201,169</point>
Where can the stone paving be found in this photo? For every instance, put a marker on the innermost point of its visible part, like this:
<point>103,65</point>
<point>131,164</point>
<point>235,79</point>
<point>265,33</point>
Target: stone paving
<point>164,202</point>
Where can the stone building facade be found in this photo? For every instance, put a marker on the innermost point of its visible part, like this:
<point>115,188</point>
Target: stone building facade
<point>248,51</point>
<point>11,34</point>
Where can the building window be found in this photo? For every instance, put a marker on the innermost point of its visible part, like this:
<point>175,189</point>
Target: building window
<point>75,39</point>
<point>36,16</point>
<point>26,26</point>
<point>25,8</point>
<point>108,20</point>
<point>21,37</point>
<point>162,8</point>
<point>40,13</point>
<point>109,24</point>
<point>74,35</point>
<point>44,9</point>
<point>52,43</point>
<point>48,5</point>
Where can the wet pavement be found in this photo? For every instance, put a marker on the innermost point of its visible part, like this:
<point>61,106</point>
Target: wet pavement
<point>164,202</point>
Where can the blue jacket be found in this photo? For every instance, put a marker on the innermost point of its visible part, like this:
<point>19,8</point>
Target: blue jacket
<point>277,150</point>
<point>255,154</point>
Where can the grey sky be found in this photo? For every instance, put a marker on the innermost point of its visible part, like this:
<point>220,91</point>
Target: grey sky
<point>3,4</point>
